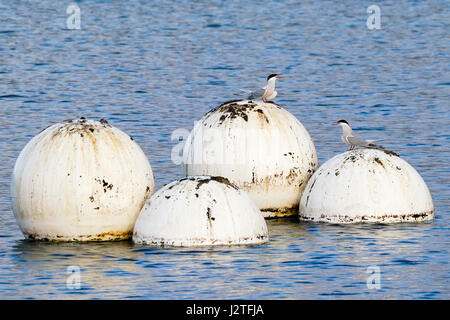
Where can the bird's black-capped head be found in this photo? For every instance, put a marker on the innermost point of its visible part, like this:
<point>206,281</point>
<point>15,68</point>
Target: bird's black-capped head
<point>341,122</point>
<point>273,75</point>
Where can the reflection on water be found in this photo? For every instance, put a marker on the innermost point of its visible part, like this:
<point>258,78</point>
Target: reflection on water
<point>44,264</point>
<point>300,261</point>
<point>151,69</point>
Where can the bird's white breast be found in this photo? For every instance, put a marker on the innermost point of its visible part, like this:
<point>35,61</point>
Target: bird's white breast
<point>271,95</point>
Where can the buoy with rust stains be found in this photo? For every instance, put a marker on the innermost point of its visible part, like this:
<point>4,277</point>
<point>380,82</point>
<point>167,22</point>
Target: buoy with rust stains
<point>80,180</point>
<point>366,185</point>
<point>260,147</point>
<point>198,211</point>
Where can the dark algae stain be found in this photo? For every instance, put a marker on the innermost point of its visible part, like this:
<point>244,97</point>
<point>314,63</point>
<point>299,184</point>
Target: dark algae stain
<point>218,179</point>
<point>223,104</point>
<point>285,212</point>
<point>208,214</point>
<point>106,186</point>
<point>377,160</point>
<point>309,192</point>
<point>262,114</point>
<point>234,109</point>
<point>104,122</point>
<point>81,126</point>
<point>389,152</point>
<point>210,219</point>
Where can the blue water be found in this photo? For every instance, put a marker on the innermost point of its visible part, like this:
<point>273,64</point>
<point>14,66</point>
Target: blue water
<point>151,68</point>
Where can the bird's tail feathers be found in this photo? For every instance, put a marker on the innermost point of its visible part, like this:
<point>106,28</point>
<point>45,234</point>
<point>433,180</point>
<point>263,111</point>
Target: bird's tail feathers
<point>375,146</point>
<point>247,93</point>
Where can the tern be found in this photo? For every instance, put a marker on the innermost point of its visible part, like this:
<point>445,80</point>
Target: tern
<point>265,93</point>
<point>349,138</point>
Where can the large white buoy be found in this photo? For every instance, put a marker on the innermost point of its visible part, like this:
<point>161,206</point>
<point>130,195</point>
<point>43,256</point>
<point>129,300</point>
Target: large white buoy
<point>198,211</point>
<point>258,146</point>
<point>80,180</point>
<point>366,185</point>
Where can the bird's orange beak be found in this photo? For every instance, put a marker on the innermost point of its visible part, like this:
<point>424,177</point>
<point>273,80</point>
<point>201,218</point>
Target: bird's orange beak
<point>336,123</point>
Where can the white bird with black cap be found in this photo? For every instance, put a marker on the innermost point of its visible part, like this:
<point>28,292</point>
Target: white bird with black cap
<point>349,138</point>
<point>265,93</point>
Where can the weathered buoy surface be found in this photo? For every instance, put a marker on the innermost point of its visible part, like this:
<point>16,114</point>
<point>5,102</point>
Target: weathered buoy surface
<point>198,211</point>
<point>80,180</point>
<point>260,147</point>
<point>366,185</point>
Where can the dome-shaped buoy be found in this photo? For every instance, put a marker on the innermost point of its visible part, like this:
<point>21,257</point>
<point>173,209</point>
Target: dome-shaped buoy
<point>198,211</point>
<point>260,147</point>
<point>366,185</point>
<point>80,180</point>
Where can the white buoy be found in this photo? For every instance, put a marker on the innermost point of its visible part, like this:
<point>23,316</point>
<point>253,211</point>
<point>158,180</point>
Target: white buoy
<point>366,185</point>
<point>80,180</point>
<point>260,147</point>
<point>198,211</point>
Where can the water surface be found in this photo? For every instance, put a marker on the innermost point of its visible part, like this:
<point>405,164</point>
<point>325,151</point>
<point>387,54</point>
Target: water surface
<point>153,68</point>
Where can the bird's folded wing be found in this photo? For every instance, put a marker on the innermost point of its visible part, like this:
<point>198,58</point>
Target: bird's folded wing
<point>258,93</point>
<point>355,141</point>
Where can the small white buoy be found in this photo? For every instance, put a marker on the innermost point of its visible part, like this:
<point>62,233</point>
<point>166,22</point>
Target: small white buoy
<point>198,211</point>
<point>80,180</point>
<point>260,147</point>
<point>366,185</point>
